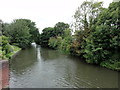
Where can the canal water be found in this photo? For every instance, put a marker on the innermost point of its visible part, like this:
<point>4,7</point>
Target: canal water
<point>38,67</point>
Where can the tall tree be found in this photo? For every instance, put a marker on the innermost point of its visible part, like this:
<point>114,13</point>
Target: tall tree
<point>56,31</point>
<point>22,32</point>
<point>85,14</point>
<point>19,33</point>
<point>32,29</point>
<point>60,27</point>
<point>85,18</point>
<point>45,36</point>
<point>103,45</point>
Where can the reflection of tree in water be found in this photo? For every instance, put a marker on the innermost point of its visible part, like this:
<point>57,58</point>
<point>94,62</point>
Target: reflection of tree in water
<point>49,54</point>
<point>23,60</point>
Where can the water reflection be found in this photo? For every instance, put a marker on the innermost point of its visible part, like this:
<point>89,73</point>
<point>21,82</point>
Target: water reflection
<point>38,52</point>
<point>49,54</point>
<point>45,68</point>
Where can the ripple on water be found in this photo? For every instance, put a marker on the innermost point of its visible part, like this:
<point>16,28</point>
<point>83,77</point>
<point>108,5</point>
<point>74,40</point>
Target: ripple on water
<point>48,68</point>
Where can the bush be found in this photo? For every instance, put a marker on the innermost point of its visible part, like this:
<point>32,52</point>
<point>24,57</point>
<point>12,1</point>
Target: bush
<point>54,42</point>
<point>6,50</point>
<point>66,42</point>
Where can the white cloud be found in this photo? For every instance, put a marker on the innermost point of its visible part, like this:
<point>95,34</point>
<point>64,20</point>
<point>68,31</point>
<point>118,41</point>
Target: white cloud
<point>46,13</point>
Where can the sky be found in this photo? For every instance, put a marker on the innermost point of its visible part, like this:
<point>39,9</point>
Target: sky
<point>46,13</point>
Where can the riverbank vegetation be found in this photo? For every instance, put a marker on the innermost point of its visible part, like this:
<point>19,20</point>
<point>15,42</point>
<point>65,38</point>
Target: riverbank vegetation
<point>96,37</point>
<point>16,35</point>
<point>7,50</point>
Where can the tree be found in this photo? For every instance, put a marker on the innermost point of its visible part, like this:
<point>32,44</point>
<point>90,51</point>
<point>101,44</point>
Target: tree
<point>4,29</point>
<point>85,18</point>
<point>55,42</point>
<point>45,36</point>
<point>60,27</point>
<point>19,34</point>
<point>85,15</point>
<point>5,47</point>
<point>103,45</point>
<point>22,32</point>
<point>66,42</point>
<point>32,30</point>
<point>57,31</point>
<point>78,39</point>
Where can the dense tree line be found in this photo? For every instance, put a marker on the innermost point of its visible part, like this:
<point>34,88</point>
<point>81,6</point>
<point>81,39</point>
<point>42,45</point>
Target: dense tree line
<point>47,33</point>
<point>96,38</point>
<point>18,34</point>
<point>102,45</point>
<point>21,32</point>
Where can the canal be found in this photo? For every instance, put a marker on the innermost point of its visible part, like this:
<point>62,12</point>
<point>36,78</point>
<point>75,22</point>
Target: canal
<point>38,67</point>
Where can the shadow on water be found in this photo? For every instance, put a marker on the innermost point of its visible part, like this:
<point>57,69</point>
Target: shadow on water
<point>38,67</point>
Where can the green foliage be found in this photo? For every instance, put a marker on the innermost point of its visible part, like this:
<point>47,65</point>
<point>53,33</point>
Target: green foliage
<point>84,17</point>
<point>34,32</point>
<point>78,42</point>
<point>19,34</point>
<point>47,33</point>
<point>97,35</point>
<point>45,36</point>
<point>111,65</point>
<point>62,44</point>
<point>75,48</point>
<point>103,44</point>
<point>86,13</point>
<point>22,32</point>
<point>54,42</point>
<point>96,38</point>
<point>6,50</point>
<point>66,42</point>
<point>60,27</point>
<point>97,46</point>
<point>5,44</point>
